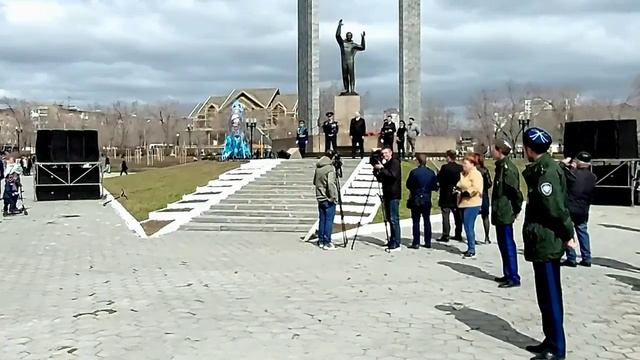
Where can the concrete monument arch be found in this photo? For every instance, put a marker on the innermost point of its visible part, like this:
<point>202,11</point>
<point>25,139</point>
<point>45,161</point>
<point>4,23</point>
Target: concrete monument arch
<point>410,85</point>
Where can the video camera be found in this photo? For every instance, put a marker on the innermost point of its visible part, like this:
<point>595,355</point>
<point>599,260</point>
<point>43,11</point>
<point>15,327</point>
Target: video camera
<point>375,158</point>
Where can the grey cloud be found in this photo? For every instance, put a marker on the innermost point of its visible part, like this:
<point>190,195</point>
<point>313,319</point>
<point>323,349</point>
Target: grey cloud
<point>168,49</point>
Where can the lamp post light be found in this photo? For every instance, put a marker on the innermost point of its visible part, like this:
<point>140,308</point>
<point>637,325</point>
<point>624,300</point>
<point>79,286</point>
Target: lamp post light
<point>251,124</point>
<point>177,139</point>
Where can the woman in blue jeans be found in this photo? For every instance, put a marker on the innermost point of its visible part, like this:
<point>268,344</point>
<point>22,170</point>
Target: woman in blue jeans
<point>470,189</point>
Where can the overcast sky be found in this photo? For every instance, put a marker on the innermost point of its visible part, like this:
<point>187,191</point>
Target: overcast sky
<point>101,50</point>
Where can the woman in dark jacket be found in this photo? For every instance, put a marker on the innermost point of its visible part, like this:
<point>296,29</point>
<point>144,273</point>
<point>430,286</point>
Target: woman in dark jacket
<point>484,210</point>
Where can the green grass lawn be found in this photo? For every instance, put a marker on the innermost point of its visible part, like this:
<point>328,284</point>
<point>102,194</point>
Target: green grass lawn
<point>407,166</point>
<point>153,189</point>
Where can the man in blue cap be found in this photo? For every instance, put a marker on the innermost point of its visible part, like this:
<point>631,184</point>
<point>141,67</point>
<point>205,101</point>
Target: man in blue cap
<point>547,232</point>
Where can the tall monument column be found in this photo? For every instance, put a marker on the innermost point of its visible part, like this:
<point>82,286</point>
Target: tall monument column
<point>410,68</point>
<point>309,64</point>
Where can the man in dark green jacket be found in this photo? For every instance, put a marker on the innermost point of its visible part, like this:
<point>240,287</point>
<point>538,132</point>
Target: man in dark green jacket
<point>547,232</point>
<point>507,203</point>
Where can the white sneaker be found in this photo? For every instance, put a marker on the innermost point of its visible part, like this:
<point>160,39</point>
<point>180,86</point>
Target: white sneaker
<point>329,247</point>
<point>394,249</point>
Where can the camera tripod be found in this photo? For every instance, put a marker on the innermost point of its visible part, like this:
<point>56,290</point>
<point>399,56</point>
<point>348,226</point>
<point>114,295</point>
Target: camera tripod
<point>364,208</point>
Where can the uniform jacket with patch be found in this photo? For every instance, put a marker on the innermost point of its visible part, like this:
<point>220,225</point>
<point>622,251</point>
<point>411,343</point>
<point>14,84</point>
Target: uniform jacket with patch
<point>547,224</point>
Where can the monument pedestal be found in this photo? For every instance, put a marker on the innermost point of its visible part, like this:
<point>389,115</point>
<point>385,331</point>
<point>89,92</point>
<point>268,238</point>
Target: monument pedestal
<point>345,108</point>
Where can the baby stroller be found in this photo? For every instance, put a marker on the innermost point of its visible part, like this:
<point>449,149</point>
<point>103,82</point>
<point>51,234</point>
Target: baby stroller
<point>12,195</point>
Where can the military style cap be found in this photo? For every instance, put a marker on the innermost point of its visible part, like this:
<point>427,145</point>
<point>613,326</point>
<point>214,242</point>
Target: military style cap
<point>537,138</point>
<point>504,146</point>
<point>329,113</point>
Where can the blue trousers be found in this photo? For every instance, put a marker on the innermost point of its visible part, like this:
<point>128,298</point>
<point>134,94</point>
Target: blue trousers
<point>508,252</point>
<point>585,244</point>
<point>425,213</point>
<point>549,293</point>
<point>326,212</point>
<point>392,211</point>
<point>469,216</point>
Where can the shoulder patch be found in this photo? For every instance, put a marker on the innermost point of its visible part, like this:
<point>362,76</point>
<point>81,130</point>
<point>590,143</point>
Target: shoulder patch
<point>546,189</point>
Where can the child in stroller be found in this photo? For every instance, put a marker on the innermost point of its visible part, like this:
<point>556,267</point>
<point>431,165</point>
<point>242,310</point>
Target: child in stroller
<point>12,190</point>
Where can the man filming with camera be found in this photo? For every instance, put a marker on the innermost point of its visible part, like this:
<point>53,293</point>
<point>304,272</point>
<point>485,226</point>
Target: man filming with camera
<point>387,171</point>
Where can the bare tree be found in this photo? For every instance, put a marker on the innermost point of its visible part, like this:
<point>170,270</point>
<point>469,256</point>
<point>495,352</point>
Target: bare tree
<point>20,111</point>
<point>437,120</point>
<point>482,111</point>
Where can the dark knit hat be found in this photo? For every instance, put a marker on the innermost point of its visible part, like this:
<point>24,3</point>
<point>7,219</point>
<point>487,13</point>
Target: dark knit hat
<point>584,157</point>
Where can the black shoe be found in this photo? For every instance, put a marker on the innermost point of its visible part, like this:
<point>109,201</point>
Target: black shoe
<point>500,279</point>
<point>537,349</point>
<point>427,246</point>
<point>468,255</point>
<point>415,247</point>
<point>487,241</point>
<point>443,239</point>
<point>547,356</point>
<point>585,263</point>
<point>457,237</point>
<point>568,264</point>
<point>508,284</point>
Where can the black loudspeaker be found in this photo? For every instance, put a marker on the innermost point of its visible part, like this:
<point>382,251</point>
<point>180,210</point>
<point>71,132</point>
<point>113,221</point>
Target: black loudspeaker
<point>52,174</point>
<point>66,192</point>
<point>64,146</point>
<point>603,139</point>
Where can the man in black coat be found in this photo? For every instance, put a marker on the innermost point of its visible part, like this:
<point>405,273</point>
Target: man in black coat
<point>357,130</point>
<point>388,133</point>
<point>581,183</point>
<point>330,129</point>
<point>389,173</point>
<point>448,178</point>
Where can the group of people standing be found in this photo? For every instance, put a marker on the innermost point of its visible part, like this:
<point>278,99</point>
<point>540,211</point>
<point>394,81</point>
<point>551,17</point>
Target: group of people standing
<point>12,167</point>
<point>388,136</point>
<point>558,201</point>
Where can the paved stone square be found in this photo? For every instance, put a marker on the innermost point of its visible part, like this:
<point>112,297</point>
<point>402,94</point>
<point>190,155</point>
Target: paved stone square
<point>76,284</point>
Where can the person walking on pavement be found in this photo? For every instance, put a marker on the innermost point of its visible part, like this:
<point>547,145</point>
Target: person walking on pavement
<point>124,169</point>
<point>546,233</point>
<point>357,130</point>
<point>420,183</point>
<point>302,138</point>
<point>448,177</point>
<point>389,173</point>
<point>324,180</point>
<point>412,134</point>
<point>507,204</point>
<point>469,190</point>
<point>484,209</point>
<point>387,133</point>
<point>401,134</point>
<point>581,183</point>
<point>330,129</point>
<point>107,165</point>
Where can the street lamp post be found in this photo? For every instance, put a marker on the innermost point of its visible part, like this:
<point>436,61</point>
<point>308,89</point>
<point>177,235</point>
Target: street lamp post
<point>178,139</point>
<point>18,132</point>
<point>524,124</point>
<point>251,124</point>
<point>189,130</point>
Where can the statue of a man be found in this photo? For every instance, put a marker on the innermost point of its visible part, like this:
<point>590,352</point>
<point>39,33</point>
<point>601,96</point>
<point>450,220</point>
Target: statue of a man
<point>348,50</point>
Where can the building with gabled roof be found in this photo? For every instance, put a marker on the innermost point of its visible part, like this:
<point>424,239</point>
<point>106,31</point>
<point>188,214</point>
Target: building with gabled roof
<point>275,113</point>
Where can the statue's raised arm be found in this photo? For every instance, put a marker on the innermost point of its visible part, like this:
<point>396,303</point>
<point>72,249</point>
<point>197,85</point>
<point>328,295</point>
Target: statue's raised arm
<point>339,33</point>
<point>362,46</point>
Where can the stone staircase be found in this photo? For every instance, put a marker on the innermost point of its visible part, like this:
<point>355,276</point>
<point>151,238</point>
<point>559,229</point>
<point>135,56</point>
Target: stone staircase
<point>281,200</point>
